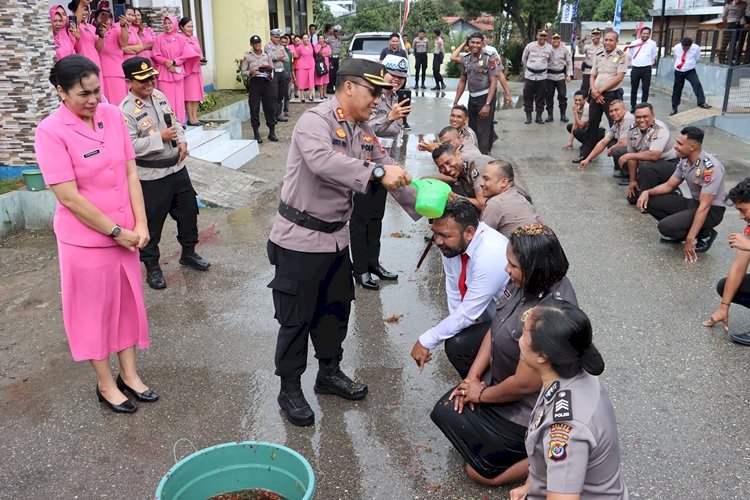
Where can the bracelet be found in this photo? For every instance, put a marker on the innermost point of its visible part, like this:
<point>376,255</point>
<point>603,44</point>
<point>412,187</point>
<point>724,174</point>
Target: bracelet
<point>479,399</point>
<point>726,303</point>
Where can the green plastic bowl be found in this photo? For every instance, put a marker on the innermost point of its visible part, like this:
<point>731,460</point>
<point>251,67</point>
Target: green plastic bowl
<point>432,195</point>
<point>239,466</point>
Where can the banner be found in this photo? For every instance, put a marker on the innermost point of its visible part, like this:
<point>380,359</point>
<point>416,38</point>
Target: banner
<point>617,21</point>
<point>406,14</point>
<point>569,11</point>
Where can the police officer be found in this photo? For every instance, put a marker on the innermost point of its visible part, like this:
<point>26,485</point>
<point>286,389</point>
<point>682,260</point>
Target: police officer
<point>609,69</point>
<point>572,440</point>
<point>334,41</point>
<point>589,45</point>
<point>333,154</point>
<point>615,141</point>
<point>420,46</point>
<point>559,71</point>
<point>536,57</point>
<point>465,175</point>
<point>387,121</point>
<point>479,74</point>
<point>507,208</point>
<point>257,68</point>
<point>689,219</point>
<point>160,148</point>
<point>280,85</point>
<point>649,160</point>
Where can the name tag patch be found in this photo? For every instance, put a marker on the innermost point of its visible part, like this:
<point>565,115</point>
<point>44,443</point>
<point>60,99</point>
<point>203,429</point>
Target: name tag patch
<point>91,153</point>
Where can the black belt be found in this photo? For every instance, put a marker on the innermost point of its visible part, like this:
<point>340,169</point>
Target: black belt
<point>556,71</point>
<point>585,66</point>
<point>308,221</point>
<point>537,71</point>
<point>334,57</point>
<point>163,163</point>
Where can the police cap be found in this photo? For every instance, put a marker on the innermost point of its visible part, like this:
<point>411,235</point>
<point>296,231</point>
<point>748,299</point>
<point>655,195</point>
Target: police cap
<point>363,68</point>
<point>254,39</point>
<point>138,68</point>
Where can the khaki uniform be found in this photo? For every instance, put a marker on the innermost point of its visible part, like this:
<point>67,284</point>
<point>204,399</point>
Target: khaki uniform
<point>589,51</point>
<point>335,43</point>
<point>560,67</point>
<point>617,131</point>
<point>420,46</point>
<point>280,84</point>
<point>388,132</point>
<point>508,210</point>
<point>608,65</point>
<point>655,138</point>
<point>259,87</point>
<point>479,73</point>
<point>468,183</point>
<point>572,442</point>
<point>536,60</point>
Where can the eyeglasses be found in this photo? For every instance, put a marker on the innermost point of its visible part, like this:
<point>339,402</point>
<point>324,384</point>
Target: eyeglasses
<point>148,79</point>
<point>374,91</point>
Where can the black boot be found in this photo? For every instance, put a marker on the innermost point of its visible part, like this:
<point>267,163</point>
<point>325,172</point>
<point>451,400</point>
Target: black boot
<point>331,380</point>
<point>154,277</point>
<point>191,259</point>
<point>528,118</point>
<point>293,403</point>
<point>256,133</point>
<point>539,117</point>
<point>563,118</point>
<point>272,134</point>
<point>550,118</point>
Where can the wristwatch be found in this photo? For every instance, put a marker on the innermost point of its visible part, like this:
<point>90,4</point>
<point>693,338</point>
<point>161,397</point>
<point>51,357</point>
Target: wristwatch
<point>378,172</point>
<point>115,231</point>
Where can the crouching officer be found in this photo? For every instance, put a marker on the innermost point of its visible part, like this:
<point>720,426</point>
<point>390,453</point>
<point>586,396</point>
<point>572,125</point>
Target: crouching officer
<point>160,148</point>
<point>333,154</point>
<point>257,68</point>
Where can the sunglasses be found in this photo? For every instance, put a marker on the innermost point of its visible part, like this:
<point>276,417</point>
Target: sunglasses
<point>148,79</point>
<point>374,91</point>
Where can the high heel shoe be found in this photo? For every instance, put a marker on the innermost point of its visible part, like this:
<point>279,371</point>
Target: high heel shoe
<point>147,396</point>
<point>126,406</point>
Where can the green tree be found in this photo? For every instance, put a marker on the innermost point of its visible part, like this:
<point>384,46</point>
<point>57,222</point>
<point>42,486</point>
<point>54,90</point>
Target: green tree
<point>322,14</point>
<point>426,15</point>
<point>604,10</point>
<point>527,15</point>
<point>372,15</point>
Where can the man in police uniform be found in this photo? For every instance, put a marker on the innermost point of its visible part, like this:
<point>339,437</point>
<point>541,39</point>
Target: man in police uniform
<point>589,45</point>
<point>160,149</point>
<point>506,207</point>
<point>615,141</point>
<point>536,57</point>
<point>608,72</point>
<point>257,69</point>
<point>691,220</point>
<point>649,160</point>
<point>420,46</point>
<point>280,84</point>
<point>559,72</point>
<point>334,41</point>
<point>333,154</point>
<point>479,73</point>
<point>465,176</point>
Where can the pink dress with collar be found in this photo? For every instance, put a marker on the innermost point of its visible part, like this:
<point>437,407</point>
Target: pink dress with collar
<point>86,44</point>
<point>194,73</point>
<point>113,79</point>
<point>305,69</point>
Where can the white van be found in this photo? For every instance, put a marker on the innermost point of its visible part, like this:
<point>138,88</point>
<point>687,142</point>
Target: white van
<point>368,45</point>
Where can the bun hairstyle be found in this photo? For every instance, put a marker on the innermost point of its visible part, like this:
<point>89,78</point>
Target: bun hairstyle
<point>541,257</point>
<point>70,70</point>
<point>73,5</point>
<point>562,332</point>
<point>183,22</point>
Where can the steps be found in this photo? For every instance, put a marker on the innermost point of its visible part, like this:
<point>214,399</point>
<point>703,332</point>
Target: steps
<point>217,146</point>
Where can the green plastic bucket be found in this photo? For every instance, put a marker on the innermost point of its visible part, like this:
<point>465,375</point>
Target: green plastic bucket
<point>239,466</point>
<point>33,179</point>
<point>432,195</point>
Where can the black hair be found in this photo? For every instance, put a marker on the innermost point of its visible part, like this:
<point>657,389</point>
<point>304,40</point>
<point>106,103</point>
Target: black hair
<point>504,169</point>
<point>693,133</point>
<point>72,69</point>
<point>476,34</point>
<point>642,105</point>
<point>739,193</point>
<point>617,101</point>
<point>462,108</point>
<point>73,5</point>
<point>394,34</point>
<point>442,150</point>
<point>578,92</point>
<point>327,27</point>
<point>646,28</point>
<point>436,32</point>
<point>421,30</point>
<point>562,333</point>
<point>128,7</point>
<point>463,212</point>
<point>312,25</point>
<point>445,130</point>
<point>183,21</point>
<point>617,35</point>
<point>687,42</point>
<point>540,256</point>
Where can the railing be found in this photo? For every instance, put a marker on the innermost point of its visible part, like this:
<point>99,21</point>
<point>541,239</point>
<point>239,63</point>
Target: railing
<point>722,47</point>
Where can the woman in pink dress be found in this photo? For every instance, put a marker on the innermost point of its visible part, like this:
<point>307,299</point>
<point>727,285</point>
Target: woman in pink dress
<point>322,50</point>
<point>88,40</point>
<point>296,42</point>
<point>305,70</point>
<point>145,33</point>
<point>133,46</point>
<point>170,53</point>
<point>193,74</point>
<point>115,38</point>
<point>84,151</point>
<point>63,40</point>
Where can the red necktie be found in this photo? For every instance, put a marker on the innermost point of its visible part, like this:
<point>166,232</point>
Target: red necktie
<point>462,276</point>
<point>682,62</point>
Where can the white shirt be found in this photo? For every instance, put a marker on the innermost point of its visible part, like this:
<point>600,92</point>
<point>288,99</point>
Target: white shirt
<point>491,51</point>
<point>485,280</point>
<point>693,54</point>
<point>643,53</point>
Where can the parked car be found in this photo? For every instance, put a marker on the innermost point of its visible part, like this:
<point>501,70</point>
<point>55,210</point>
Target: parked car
<point>368,45</point>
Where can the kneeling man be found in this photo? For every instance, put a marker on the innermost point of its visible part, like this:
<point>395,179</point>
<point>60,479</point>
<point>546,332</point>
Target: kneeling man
<point>507,207</point>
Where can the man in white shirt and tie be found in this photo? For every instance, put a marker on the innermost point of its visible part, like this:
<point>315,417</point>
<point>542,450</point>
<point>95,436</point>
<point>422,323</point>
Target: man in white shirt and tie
<point>642,56</point>
<point>474,262</point>
<point>686,55</point>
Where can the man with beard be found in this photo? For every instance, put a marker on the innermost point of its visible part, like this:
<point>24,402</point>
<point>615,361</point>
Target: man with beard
<point>474,263</point>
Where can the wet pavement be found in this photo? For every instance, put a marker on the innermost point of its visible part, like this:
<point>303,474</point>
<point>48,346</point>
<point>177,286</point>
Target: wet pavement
<point>681,391</point>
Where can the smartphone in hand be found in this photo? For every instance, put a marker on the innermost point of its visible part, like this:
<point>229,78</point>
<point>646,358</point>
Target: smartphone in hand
<point>404,94</point>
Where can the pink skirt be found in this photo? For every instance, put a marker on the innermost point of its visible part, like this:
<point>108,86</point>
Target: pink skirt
<point>321,80</point>
<point>305,78</point>
<point>115,89</point>
<point>175,92</point>
<point>194,87</point>
<point>102,300</point>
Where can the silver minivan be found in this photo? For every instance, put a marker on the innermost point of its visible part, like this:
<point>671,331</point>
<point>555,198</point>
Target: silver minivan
<point>368,45</point>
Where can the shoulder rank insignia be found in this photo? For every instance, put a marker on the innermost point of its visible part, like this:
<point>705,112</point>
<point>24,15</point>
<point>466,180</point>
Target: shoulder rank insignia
<point>474,173</point>
<point>157,95</point>
<point>366,138</point>
<point>139,103</point>
<point>563,406</point>
<point>340,114</point>
<point>552,390</point>
<point>708,163</point>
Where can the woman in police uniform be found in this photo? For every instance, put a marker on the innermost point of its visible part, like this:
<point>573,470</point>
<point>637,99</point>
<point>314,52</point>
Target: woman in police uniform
<point>572,440</point>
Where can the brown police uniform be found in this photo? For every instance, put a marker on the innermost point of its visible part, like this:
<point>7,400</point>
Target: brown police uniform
<point>560,66</point>
<point>508,210</point>
<point>260,87</point>
<point>536,60</point>
<point>617,131</point>
<point>279,83</point>
<point>655,138</point>
<point>478,73</point>
<point>589,50</point>
<point>420,46</point>
<point>468,136</point>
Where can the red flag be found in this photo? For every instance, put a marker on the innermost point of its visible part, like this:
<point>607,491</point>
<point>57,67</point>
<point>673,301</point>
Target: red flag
<point>406,14</point>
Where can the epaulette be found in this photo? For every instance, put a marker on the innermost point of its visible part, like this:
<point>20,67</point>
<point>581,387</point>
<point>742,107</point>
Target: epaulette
<point>619,52</point>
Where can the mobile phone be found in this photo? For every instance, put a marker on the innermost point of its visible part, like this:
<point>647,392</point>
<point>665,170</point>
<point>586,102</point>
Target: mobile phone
<point>403,94</point>
<point>72,22</point>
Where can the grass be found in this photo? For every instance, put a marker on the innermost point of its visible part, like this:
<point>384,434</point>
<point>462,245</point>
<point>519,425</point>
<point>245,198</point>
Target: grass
<point>12,184</point>
<point>220,98</point>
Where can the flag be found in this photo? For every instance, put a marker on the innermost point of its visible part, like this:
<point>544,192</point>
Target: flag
<point>617,21</point>
<point>406,14</point>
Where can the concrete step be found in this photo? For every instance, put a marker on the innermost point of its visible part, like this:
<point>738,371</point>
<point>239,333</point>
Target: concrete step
<point>192,132</point>
<point>231,154</point>
<point>207,140</point>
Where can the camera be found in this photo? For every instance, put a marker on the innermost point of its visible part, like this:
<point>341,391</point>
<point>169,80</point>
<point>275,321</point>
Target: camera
<point>403,94</point>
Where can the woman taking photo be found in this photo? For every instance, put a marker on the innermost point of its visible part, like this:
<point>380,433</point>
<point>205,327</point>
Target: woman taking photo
<point>63,40</point>
<point>115,39</point>
<point>193,74</point>
<point>486,416</point>
<point>133,45</point>
<point>305,69</point>
<point>323,51</point>
<point>572,440</point>
<point>86,157</point>
<point>88,42</point>
<point>145,33</point>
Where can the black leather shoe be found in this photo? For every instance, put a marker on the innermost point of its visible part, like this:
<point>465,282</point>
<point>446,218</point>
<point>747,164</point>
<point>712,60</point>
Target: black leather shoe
<point>155,278</point>
<point>578,159</point>
<point>705,105</point>
<point>741,338</point>
<point>147,396</point>
<point>674,112</point>
<point>624,181</point>
<point>549,118</point>
<point>619,174</point>
<point>703,245</point>
<point>366,281</point>
<point>436,87</point>
<point>272,137</point>
<point>564,119</point>
<point>381,273</point>
<point>281,119</point>
<point>126,406</point>
<point>195,261</point>
<point>668,240</point>
<point>528,118</point>
<point>423,86</point>
<point>331,380</point>
<point>294,405</point>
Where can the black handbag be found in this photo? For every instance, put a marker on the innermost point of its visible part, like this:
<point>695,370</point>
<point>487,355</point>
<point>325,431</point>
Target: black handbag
<point>320,66</point>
